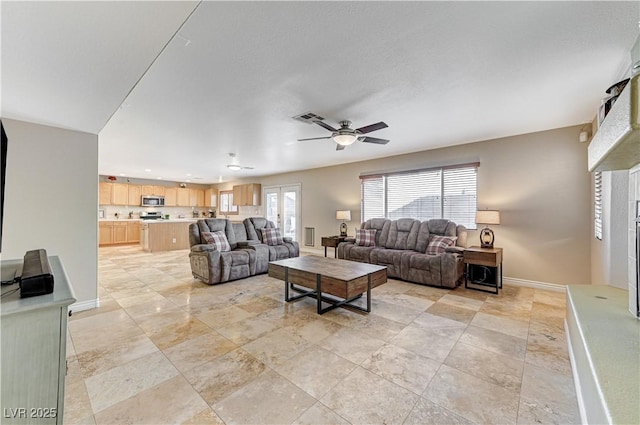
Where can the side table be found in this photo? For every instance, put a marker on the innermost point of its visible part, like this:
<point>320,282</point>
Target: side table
<point>332,242</point>
<point>483,268</point>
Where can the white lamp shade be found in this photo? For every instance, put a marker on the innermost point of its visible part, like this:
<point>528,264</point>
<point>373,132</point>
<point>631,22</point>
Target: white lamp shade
<point>343,215</point>
<point>344,139</point>
<point>488,217</point>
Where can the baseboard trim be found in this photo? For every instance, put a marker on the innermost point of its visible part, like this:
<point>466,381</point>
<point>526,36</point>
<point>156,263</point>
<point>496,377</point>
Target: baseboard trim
<point>85,305</point>
<point>576,377</point>
<point>534,284</point>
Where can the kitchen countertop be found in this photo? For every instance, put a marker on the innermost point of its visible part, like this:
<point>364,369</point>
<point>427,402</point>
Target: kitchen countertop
<point>171,220</point>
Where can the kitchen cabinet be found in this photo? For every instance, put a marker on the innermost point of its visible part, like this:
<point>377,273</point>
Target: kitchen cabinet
<point>133,231</point>
<point>34,348</point>
<point>165,235</point>
<point>104,189</point>
<point>196,198</point>
<point>247,194</point>
<point>153,190</point>
<point>210,197</point>
<point>171,197</point>
<point>135,191</point>
<point>119,232</point>
<point>106,233</point>
<point>119,194</point>
<point>183,197</point>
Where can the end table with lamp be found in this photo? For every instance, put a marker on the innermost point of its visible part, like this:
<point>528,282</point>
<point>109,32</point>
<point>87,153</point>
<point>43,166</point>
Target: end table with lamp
<point>484,263</point>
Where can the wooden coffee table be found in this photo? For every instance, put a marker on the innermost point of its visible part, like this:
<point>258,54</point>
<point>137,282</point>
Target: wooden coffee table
<point>344,280</point>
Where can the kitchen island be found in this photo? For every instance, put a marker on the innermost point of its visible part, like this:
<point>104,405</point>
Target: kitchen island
<point>165,235</point>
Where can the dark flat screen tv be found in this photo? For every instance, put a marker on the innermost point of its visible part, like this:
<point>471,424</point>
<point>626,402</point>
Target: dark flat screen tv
<point>3,160</point>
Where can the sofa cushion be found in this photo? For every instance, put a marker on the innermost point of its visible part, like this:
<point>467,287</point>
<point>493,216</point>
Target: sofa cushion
<point>365,237</point>
<point>271,236</point>
<point>437,244</point>
<point>218,240</point>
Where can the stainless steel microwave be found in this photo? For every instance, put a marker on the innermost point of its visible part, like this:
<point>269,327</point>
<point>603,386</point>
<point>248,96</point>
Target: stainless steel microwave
<point>152,201</point>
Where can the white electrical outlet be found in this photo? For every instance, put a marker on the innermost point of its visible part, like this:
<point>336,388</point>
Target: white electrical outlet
<point>174,240</point>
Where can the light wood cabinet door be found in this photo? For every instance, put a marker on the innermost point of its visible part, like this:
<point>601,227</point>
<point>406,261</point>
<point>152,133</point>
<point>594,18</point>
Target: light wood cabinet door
<point>133,231</point>
<point>183,197</point>
<point>210,197</point>
<point>120,232</point>
<point>147,190</point>
<point>119,194</point>
<point>238,195</point>
<point>196,198</point>
<point>171,197</point>
<point>159,190</point>
<point>134,195</point>
<point>106,233</point>
<point>104,197</point>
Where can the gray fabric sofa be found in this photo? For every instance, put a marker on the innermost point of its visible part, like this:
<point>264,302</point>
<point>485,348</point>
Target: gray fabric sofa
<point>401,246</point>
<point>248,255</point>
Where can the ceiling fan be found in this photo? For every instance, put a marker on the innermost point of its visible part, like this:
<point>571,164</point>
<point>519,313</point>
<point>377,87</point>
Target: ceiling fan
<point>234,166</point>
<point>345,135</point>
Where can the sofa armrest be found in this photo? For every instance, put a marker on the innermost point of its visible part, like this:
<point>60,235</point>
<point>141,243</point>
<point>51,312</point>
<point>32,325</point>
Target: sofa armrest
<point>352,240</point>
<point>287,239</point>
<point>454,249</point>
<point>203,248</point>
<point>245,244</point>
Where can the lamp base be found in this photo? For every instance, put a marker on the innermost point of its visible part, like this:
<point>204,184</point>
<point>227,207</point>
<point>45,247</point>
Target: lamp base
<point>486,238</point>
<point>343,229</point>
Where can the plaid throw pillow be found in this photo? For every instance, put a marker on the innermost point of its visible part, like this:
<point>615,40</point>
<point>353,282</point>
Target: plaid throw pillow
<point>218,239</point>
<point>272,236</point>
<point>437,244</point>
<point>366,237</point>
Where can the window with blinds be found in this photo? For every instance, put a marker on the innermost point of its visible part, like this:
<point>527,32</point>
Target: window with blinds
<point>445,192</point>
<point>597,204</point>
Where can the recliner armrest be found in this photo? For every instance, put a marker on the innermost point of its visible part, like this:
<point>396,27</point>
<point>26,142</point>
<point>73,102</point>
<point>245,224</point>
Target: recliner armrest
<point>244,244</point>
<point>203,248</point>
<point>454,249</point>
<point>287,239</point>
<point>352,240</point>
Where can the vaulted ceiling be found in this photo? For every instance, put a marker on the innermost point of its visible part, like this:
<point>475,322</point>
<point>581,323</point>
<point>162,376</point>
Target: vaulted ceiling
<point>174,87</point>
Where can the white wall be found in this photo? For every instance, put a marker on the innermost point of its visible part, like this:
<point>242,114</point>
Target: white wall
<point>51,198</point>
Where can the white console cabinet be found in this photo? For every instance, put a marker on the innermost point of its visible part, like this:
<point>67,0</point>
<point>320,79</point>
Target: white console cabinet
<point>34,338</point>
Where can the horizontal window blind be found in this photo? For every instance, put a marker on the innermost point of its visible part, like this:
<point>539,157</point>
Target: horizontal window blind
<point>445,192</point>
<point>597,204</point>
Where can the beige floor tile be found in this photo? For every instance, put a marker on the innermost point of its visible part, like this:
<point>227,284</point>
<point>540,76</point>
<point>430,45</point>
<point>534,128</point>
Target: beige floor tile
<point>496,342</point>
<point>312,327</point>
<point>365,398</point>
<point>547,397</point>
<point>395,312</point>
<point>351,344</point>
<point>247,330</point>
<point>260,305</point>
<point>427,412</point>
<point>319,414</point>
<point>77,406</point>
<point>547,348</point>
<point>491,367</point>
<point>276,347</point>
<point>224,317</point>
<point>452,312</point>
<point>120,352</point>
<point>198,350</point>
<point>406,300</point>
<point>553,298</point>
<point>172,401</point>
<point>428,320</point>
<point>510,308</point>
<point>107,304</point>
<point>316,370</point>
<point>274,400</point>
<point>464,302</point>
<point>224,375</point>
<point>548,314</point>
<point>402,367</point>
<point>378,326</point>
<point>177,333</point>
<point>502,324</point>
<point>205,417</point>
<point>157,306</point>
<point>102,338</point>
<point>434,343</point>
<point>118,384</point>
<point>472,398</point>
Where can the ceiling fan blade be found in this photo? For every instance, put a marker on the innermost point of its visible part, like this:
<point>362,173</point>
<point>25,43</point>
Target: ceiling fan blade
<point>325,125</point>
<point>340,147</point>
<point>374,140</point>
<point>373,127</point>
<point>314,138</point>
<point>247,168</point>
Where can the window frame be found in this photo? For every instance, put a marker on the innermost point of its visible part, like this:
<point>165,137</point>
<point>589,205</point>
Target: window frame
<point>440,186</point>
<point>229,195</point>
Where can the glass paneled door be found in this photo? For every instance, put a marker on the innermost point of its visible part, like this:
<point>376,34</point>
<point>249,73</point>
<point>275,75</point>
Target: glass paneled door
<point>282,206</point>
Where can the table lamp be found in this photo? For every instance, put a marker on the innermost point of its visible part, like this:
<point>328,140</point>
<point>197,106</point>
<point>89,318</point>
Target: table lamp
<point>487,217</point>
<point>344,215</point>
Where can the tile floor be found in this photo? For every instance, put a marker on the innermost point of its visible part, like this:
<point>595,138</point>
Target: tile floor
<point>164,348</point>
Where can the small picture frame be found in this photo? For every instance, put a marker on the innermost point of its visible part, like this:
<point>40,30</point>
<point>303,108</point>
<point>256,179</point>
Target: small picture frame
<point>100,213</point>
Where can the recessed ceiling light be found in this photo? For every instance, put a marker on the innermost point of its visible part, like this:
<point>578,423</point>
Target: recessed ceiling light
<point>188,181</point>
<point>159,178</point>
<point>148,170</point>
<point>188,174</point>
<point>121,174</point>
<point>220,179</point>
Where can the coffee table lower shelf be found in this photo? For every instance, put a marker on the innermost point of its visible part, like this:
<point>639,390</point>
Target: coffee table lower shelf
<point>335,282</point>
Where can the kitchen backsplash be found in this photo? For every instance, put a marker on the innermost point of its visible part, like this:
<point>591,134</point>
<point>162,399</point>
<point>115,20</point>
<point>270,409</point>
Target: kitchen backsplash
<point>110,212</point>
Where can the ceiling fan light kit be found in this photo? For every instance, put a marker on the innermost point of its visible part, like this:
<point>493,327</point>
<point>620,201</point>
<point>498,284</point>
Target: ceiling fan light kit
<point>345,135</point>
<point>234,167</point>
